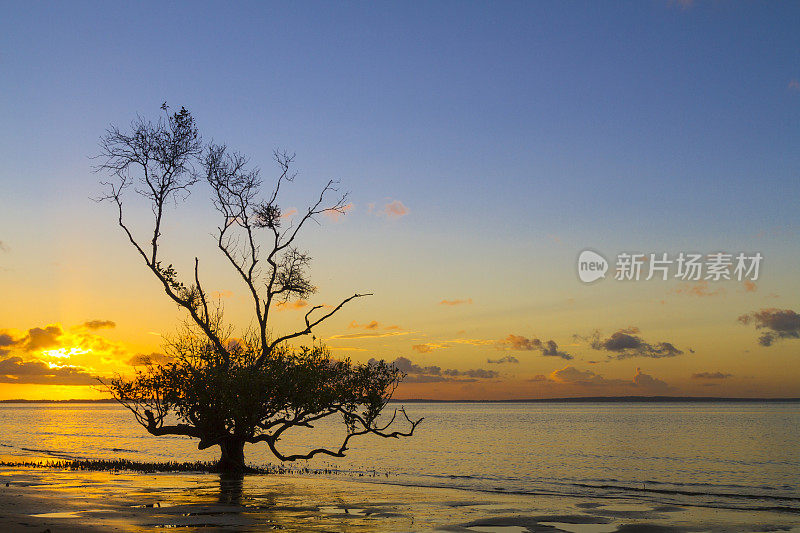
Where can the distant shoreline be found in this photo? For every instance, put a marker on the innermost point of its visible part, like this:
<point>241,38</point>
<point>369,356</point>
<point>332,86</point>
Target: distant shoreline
<point>582,399</point>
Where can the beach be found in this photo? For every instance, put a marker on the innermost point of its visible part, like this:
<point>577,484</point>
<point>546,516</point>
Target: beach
<point>37,499</point>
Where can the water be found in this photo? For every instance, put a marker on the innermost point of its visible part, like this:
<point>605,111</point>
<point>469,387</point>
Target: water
<point>737,455</point>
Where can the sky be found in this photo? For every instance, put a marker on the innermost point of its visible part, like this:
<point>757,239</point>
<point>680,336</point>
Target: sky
<point>484,146</point>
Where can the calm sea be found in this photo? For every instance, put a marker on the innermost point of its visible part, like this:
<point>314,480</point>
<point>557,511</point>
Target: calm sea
<point>738,455</point>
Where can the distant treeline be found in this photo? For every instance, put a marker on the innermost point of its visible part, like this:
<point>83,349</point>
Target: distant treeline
<point>104,400</point>
<point>582,399</point>
<point>612,399</point>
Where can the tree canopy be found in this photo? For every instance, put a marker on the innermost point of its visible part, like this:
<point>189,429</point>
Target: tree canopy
<point>222,388</point>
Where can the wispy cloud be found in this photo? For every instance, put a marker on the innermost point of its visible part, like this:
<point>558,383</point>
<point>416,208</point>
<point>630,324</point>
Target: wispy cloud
<point>336,215</point>
<point>700,289</point>
<point>778,323</point>
<point>468,301</point>
<point>427,347</point>
<point>369,334</point>
<point>290,212</point>
<point>222,294</point>
<point>99,324</point>
<point>291,305</point>
<point>474,342</point>
<point>4,247</point>
<point>711,375</point>
<point>369,325</point>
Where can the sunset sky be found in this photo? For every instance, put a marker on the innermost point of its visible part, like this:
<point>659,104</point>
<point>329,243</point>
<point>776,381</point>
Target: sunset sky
<point>484,146</point>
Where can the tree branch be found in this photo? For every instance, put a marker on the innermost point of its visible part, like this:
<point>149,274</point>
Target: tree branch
<point>308,328</point>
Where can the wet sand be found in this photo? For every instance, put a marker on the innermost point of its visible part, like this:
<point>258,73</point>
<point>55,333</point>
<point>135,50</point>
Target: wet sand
<point>67,501</point>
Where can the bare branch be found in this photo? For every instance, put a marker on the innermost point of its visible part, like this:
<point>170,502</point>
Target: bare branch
<point>309,326</point>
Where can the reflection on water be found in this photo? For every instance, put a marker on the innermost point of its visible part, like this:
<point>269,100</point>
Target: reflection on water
<point>744,451</point>
<point>230,489</point>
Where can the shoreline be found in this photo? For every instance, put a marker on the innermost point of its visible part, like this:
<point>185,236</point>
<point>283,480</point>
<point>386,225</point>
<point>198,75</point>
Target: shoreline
<point>67,500</point>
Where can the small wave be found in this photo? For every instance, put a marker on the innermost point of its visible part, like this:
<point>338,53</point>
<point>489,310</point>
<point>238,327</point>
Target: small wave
<point>679,492</point>
<point>54,453</point>
<point>711,499</point>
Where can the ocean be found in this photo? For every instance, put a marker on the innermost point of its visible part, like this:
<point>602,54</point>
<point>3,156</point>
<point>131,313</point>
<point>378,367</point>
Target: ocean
<point>728,455</point>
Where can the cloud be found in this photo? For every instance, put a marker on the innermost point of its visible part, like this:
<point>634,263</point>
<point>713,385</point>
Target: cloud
<point>394,209</point>
<point>474,373</point>
<point>346,349</point>
<point>468,301</point>
<point>711,375</point>
<point>570,374</point>
<point>291,212</point>
<point>794,85</point>
<point>369,334</point>
<point>335,215</point>
<point>505,359</point>
<point>222,294</point>
<point>520,343</point>
<point>35,339</point>
<point>649,383</point>
<point>474,342</point>
<point>291,305</point>
<point>427,347</point>
<point>779,323</point>
<point>624,343</point>
<point>435,374</point>
<point>48,340</point>
<point>154,358</point>
<point>4,247</point>
<point>699,289</point>
<point>99,324</point>
<point>6,343</point>
<point>641,382</point>
<point>749,286</point>
<point>370,325</point>
<point>15,370</point>
<point>371,330</point>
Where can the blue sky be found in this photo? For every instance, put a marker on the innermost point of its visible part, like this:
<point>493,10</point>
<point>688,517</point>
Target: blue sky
<point>515,133</point>
<point>618,109</point>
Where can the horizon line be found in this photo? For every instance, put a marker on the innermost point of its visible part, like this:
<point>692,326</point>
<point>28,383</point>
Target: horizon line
<point>599,399</point>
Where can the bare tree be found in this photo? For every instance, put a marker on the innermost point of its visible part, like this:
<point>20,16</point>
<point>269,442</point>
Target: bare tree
<point>224,390</point>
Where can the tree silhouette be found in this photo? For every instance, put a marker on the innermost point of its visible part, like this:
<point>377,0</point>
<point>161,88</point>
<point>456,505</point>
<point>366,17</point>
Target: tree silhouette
<point>226,390</point>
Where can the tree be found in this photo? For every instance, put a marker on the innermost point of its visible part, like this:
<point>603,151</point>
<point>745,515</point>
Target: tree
<point>226,390</point>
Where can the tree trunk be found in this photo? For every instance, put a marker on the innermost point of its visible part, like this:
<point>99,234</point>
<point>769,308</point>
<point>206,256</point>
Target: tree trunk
<point>232,456</point>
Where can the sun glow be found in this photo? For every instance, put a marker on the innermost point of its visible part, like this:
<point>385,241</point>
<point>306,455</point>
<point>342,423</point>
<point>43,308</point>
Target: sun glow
<point>64,353</point>
<point>60,357</point>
